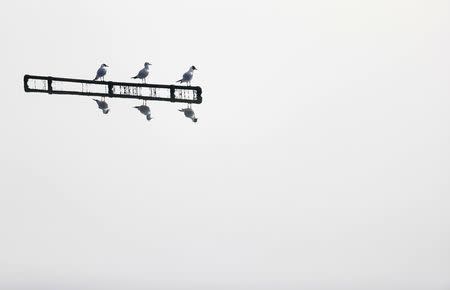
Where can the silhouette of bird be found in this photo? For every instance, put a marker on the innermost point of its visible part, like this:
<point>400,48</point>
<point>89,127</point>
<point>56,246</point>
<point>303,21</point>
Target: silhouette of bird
<point>101,72</point>
<point>143,73</point>
<point>102,105</point>
<point>187,76</point>
<point>189,113</point>
<point>145,110</point>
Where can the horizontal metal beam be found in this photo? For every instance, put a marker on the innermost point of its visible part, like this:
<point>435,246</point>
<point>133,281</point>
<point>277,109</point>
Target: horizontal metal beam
<point>123,90</point>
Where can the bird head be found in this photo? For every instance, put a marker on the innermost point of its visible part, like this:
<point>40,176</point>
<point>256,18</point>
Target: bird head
<point>194,120</point>
<point>104,65</point>
<point>193,68</point>
<point>105,111</point>
<point>149,117</point>
<point>147,64</point>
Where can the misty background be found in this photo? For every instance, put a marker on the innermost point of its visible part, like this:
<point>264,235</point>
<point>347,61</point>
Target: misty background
<point>320,159</point>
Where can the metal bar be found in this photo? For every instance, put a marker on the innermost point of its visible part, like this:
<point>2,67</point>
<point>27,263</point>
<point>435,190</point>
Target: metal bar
<point>197,98</point>
<point>172,94</point>
<point>49,85</point>
<point>110,89</point>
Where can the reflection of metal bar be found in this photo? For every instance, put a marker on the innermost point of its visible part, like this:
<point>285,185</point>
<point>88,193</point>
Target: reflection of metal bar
<point>126,93</point>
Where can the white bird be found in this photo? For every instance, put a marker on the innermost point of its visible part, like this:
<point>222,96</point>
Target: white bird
<point>187,76</point>
<point>145,110</point>
<point>143,73</point>
<point>101,72</point>
<point>102,105</point>
<point>189,113</point>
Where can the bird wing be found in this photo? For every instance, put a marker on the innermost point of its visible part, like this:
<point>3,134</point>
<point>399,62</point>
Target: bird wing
<point>143,73</point>
<point>187,76</point>
<point>101,72</point>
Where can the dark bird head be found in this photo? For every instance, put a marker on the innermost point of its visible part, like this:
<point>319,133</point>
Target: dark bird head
<point>106,111</point>
<point>193,68</point>
<point>149,117</point>
<point>194,120</point>
<point>105,65</point>
<point>147,64</point>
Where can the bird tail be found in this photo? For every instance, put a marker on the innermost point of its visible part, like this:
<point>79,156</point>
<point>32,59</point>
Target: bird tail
<point>180,81</point>
<point>134,77</point>
<point>95,79</point>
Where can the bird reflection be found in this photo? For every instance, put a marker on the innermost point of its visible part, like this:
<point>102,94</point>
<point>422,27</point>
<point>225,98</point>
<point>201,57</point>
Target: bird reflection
<point>102,105</point>
<point>189,113</point>
<point>145,110</point>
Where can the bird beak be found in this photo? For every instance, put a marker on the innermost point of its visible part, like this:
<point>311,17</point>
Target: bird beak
<point>106,65</point>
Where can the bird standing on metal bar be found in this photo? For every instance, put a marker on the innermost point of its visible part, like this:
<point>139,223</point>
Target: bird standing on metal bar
<point>102,105</point>
<point>145,110</point>
<point>101,72</point>
<point>143,73</point>
<point>187,76</point>
<point>189,113</point>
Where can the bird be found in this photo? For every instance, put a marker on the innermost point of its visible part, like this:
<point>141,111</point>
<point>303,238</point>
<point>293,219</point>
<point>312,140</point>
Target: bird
<point>189,113</point>
<point>102,105</point>
<point>143,73</point>
<point>101,72</point>
<point>187,76</point>
<point>145,110</point>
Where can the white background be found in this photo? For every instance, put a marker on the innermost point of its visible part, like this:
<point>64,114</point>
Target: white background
<point>320,160</point>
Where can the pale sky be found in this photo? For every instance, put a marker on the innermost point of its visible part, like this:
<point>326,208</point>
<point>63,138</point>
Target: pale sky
<point>321,158</point>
